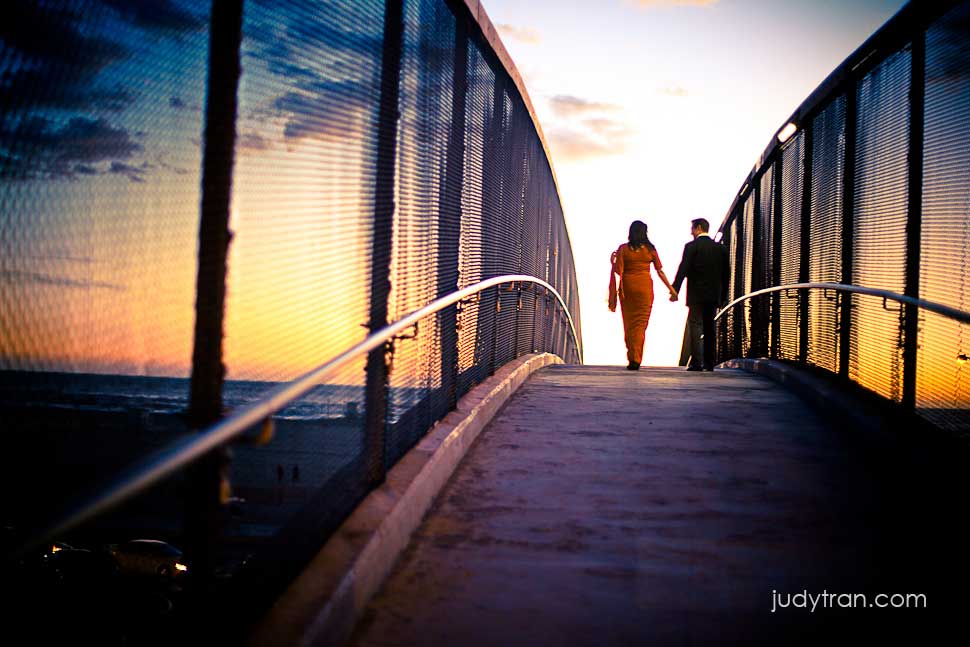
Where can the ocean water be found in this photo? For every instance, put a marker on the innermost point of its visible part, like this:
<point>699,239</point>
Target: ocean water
<point>163,395</point>
<point>170,395</point>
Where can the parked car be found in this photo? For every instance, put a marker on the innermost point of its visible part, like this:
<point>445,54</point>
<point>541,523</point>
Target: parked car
<point>148,558</point>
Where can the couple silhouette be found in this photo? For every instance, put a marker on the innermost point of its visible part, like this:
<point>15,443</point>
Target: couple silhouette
<point>704,265</point>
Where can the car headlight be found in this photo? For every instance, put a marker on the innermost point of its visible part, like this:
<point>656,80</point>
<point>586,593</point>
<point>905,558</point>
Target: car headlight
<point>181,568</point>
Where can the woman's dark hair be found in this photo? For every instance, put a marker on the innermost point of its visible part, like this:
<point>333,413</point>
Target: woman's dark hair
<point>638,236</point>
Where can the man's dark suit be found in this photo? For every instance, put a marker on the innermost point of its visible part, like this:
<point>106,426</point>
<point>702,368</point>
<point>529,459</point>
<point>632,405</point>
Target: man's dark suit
<point>705,266</point>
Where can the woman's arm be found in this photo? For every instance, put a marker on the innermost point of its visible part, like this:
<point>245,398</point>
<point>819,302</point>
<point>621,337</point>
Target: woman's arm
<point>663,277</point>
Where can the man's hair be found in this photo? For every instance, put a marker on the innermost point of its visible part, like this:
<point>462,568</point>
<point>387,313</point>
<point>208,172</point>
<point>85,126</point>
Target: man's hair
<point>702,223</point>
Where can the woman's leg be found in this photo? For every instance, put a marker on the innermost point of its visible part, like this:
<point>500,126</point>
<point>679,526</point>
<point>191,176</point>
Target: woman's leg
<point>638,331</point>
<point>627,328</point>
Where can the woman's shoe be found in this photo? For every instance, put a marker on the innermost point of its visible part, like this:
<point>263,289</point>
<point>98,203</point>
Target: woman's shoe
<point>633,366</point>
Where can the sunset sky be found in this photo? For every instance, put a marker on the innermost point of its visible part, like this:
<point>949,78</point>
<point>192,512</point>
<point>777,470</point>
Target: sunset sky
<point>657,109</point>
<point>653,110</point>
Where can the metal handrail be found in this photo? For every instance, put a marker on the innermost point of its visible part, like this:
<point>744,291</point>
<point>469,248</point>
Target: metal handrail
<point>180,453</point>
<point>938,308</point>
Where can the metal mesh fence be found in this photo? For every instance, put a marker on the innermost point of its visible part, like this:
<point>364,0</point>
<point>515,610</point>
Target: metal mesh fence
<point>943,373</point>
<point>879,228</point>
<point>367,179</point>
<point>746,269</point>
<point>825,231</point>
<point>874,191</point>
<point>763,267</point>
<point>99,202</point>
<point>789,213</point>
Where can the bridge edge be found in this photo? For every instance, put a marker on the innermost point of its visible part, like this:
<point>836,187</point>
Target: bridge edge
<point>324,603</point>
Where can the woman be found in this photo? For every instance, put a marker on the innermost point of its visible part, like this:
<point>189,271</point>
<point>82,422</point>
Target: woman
<point>631,261</point>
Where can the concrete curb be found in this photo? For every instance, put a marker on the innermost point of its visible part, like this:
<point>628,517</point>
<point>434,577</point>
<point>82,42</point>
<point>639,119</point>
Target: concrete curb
<point>323,605</point>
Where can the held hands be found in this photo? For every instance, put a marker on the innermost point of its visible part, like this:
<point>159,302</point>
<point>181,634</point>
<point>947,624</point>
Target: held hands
<point>673,295</point>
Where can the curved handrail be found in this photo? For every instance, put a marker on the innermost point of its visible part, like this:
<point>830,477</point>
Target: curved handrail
<point>938,308</point>
<point>186,450</point>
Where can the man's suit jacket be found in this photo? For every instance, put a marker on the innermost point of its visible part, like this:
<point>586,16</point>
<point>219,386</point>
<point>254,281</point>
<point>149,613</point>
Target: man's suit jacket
<point>705,266</point>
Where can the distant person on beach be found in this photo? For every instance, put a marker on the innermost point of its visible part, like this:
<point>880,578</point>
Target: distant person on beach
<point>705,266</point>
<point>631,262</point>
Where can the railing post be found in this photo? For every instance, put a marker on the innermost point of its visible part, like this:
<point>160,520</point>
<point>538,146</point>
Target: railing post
<point>848,226</point>
<point>449,216</point>
<point>375,396</point>
<point>914,222</point>
<point>206,476</point>
<point>806,234</point>
<point>739,310</point>
<point>757,267</point>
<point>776,256</point>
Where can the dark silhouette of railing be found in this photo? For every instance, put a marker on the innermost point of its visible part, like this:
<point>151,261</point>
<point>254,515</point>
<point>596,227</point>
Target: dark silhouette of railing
<point>865,194</point>
<point>368,199</point>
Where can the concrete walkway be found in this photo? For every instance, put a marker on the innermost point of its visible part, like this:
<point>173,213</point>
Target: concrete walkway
<point>608,507</point>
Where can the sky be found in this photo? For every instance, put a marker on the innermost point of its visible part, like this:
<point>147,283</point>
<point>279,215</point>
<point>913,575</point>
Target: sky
<point>656,110</point>
<point>652,110</point>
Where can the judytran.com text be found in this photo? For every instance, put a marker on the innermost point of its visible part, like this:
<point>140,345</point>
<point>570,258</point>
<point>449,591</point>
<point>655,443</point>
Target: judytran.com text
<point>826,600</point>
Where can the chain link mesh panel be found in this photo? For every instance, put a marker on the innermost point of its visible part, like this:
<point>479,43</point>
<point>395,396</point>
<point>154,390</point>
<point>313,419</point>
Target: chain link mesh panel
<point>879,228</point>
<point>99,218</point>
<point>763,259</point>
<point>746,267</point>
<point>825,239</point>
<point>792,181</point>
<point>943,373</point>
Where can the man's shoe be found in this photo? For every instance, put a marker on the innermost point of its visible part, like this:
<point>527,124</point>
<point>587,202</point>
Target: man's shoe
<point>710,369</point>
<point>694,368</point>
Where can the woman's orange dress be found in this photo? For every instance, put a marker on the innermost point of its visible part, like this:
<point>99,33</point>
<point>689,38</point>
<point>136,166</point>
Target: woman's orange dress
<point>636,295</point>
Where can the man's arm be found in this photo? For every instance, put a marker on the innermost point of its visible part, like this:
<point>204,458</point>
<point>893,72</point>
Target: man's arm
<point>685,262</point>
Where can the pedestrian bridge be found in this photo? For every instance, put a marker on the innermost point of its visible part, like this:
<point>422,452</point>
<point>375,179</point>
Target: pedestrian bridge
<point>661,507</point>
<point>270,269</point>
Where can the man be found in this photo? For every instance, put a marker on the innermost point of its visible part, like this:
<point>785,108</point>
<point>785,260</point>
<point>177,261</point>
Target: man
<point>705,266</point>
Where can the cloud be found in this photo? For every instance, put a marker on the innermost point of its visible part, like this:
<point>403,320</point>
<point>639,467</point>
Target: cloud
<point>43,149</point>
<point>567,106</point>
<point>48,36</point>
<point>252,142</point>
<point>650,4</point>
<point>673,91</point>
<point>156,15</point>
<point>572,145</point>
<point>47,86</point>
<point>316,113</point>
<point>133,173</point>
<point>609,128</point>
<point>590,138</point>
<point>327,95</point>
<point>583,129</point>
<point>63,281</point>
<point>526,35</point>
<point>58,63</point>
